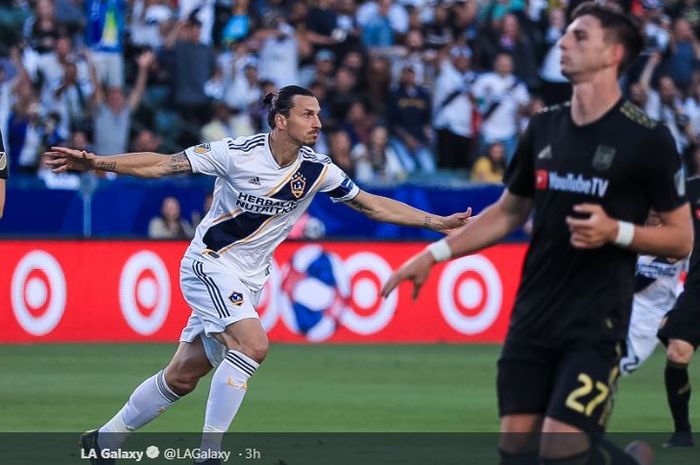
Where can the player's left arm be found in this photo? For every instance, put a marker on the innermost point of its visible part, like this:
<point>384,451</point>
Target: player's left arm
<point>673,238</point>
<point>387,210</point>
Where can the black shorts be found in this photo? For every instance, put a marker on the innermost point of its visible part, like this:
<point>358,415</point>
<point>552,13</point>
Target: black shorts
<point>573,383</point>
<point>683,321</point>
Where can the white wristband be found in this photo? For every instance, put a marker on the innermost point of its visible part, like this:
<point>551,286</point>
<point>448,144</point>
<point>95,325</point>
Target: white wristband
<point>625,233</point>
<point>440,250</point>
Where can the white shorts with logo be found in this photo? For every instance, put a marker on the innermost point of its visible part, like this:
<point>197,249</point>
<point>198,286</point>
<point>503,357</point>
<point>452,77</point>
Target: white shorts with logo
<point>217,298</point>
<point>641,338</point>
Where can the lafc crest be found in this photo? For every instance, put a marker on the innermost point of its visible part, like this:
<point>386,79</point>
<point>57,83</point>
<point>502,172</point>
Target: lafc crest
<point>298,183</point>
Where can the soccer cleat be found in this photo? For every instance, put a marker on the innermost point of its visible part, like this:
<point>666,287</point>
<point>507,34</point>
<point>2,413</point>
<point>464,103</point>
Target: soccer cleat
<point>679,439</point>
<point>88,443</point>
<point>641,452</point>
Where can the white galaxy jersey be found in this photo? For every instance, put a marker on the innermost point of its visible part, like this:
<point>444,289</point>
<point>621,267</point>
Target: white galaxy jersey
<point>256,202</point>
<point>656,290</point>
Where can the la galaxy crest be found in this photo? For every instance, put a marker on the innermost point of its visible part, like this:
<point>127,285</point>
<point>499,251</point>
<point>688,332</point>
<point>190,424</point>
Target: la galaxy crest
<point>236,298</point>
<point>297,184</point>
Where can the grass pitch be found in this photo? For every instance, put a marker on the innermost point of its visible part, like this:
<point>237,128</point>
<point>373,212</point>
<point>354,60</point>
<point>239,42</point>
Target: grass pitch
<point>300,388</point>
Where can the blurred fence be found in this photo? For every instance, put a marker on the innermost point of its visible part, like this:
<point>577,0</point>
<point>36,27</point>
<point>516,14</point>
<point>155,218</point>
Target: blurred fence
<point>124,206</point>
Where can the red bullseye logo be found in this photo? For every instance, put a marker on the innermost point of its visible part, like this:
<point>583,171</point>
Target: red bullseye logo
<point>368,313</point>
<point>470,294</point>
<point>144,292</point>
<point>38,293</point>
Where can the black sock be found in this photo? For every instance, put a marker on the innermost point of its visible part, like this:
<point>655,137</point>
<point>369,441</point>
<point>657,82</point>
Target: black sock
<point>531,458</point>
<point>678,394</point>
<point>603,453</point>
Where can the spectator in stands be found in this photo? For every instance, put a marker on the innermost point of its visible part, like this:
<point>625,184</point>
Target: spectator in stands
<point>378,78</point>
<point>381,21</point>
<point>691,108</point>
<point>240,25</point>
<point>409,117</point>
<point>489,168</point>
<point>203,12</point>
<point>279,54</point>
<point>112,110</point>
<point>226,123</point>
<point>665,104</point>
<point>194,64</point>
<point>555,87</point>
<point>340,151</point>
<point>145,141</point>
<point>66,87</point>
<point>25,133</point>
<point>358,123</point>
<point>413,54</point>
<point>684,54</point>
<point>454,110</point>
<point>376,161</point>
<point>150,21</point>
<point>243,92</point>
<point>41,29</point>
<point>342,95</point>
<point>104,35</point>
<point>323,69</point>
<point>169,224</point>
<point>508,38</point>
<point>501,97</point>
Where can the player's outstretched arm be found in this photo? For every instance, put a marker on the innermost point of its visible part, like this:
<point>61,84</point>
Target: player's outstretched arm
<point>672,239</point>
<point>388,210</point>
<point>490,226</point>
<point>142,164</point>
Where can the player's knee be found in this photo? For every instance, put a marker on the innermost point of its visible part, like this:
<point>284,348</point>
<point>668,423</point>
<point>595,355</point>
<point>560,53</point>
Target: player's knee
<point>679,352</point>
<point>257,350</point>
<point>181,378</point>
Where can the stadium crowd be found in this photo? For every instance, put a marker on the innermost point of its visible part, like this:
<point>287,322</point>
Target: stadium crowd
<point>407,87</point>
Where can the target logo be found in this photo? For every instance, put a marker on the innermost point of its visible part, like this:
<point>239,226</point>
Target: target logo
<point>368,313</point>
<point>38,293</point>
<point>144,292</point>
<point>470,294</point>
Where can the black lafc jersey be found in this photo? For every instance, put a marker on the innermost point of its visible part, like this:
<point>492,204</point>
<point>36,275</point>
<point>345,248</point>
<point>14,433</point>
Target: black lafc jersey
<point>692,280</point>
<point>625,162</point>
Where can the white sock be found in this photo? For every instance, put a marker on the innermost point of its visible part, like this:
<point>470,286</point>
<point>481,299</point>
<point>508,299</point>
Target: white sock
<point>228,387</point>
<point>147,401</point>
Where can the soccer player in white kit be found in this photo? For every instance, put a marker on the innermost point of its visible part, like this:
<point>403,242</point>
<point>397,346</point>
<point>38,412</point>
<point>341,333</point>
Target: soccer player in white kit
<point>264,184</point>
<point>656,289</point>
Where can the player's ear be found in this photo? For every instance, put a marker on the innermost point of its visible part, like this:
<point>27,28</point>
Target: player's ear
<point>280,121</point>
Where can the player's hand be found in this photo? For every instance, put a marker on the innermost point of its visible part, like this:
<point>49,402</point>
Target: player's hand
<point>592,232</point>
<point>455,221</point>
<point>62,159</point>
<point>416,270</point>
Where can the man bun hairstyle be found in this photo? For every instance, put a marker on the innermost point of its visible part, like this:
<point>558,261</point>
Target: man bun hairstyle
<point>625,28</point>
<point>282,101</point>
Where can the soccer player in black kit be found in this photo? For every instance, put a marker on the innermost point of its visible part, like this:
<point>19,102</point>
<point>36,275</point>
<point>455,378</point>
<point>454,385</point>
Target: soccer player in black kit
<point>680,332</point>
<point>591,170</point>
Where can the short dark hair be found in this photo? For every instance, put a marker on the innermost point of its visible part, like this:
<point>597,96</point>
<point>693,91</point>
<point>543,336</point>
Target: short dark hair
<point>282,101</point>
<point>625,29</point>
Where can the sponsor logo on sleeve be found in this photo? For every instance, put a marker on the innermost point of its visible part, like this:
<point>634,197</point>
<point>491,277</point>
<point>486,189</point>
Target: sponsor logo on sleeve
<point>236,298</point>
<point>3,161</point>
<point>202,148</point>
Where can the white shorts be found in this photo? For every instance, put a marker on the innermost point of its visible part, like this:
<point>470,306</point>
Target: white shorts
<point>217,298</point>
<point>641,338</point>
